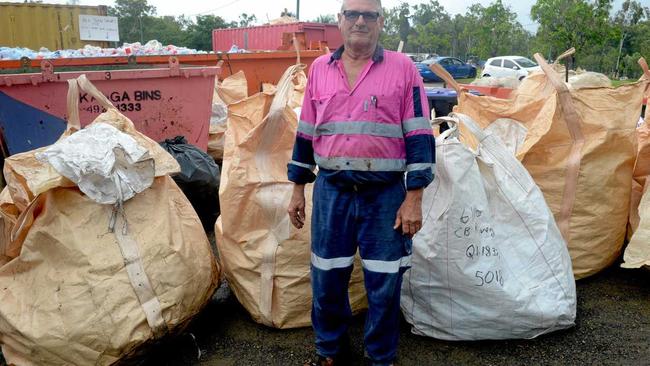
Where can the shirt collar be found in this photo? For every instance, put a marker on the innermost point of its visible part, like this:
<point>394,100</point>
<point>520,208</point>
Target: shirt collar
<point>378,56</point>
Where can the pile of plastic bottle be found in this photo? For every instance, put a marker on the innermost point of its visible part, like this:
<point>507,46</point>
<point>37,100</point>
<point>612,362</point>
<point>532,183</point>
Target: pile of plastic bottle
<point>152,47</point>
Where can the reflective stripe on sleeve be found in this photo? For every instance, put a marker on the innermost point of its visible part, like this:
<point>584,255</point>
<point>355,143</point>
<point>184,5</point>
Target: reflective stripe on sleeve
<point>420,166</point>
<point>414,124</point>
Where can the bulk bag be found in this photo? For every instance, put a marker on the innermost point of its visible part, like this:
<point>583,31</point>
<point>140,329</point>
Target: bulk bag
<point>85,283</point>
<point>233,89</point>
<point>489,261</point>
<point>637,253</point>
<point>265,259</point>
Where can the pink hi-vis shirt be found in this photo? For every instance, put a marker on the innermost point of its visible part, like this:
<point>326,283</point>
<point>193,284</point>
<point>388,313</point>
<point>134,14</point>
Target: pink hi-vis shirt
<point>370,132</point>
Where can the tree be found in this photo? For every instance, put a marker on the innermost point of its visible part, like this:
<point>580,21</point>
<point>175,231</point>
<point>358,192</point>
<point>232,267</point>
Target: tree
<point>327,19</point>
<point>431,29</point>
<point>461,36</point>
<point>246,20</point>
<point>132,16</point>
<point>495,30</point>
<point>639,40</point>
<point>199,34</point>
<point>404,27</point>
<point>396,26</point>
<point>167,29</point>
<point>427,12</point>
<point>573,23</point>
<point>390,36</point>
<point>287,13</point>
<point>466,35</point>
<point>630,15</point>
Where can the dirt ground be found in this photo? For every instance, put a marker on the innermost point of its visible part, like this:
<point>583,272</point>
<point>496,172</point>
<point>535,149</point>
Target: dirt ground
<point>613,328</point>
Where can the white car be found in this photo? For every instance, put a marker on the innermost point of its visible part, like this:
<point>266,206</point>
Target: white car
<point>509,67</point>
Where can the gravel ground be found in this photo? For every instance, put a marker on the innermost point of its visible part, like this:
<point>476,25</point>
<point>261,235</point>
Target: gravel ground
<point>613,328</point>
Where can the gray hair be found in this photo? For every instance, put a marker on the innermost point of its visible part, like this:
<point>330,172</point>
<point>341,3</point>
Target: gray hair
<point>381,10</point>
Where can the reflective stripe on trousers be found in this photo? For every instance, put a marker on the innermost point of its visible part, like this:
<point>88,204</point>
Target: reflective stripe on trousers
<point>345,218</point>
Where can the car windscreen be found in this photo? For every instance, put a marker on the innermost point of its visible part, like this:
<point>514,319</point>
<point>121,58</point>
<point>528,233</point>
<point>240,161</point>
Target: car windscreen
<point>524,62</point>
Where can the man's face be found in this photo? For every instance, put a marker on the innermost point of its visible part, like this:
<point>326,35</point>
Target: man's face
<point>360,31</point>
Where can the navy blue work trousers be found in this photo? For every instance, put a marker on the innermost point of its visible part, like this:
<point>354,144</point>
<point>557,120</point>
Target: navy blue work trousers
<point>346,217</point>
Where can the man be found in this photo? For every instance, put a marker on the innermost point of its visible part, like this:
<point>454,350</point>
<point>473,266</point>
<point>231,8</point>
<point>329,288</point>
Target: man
<point>364,123</point>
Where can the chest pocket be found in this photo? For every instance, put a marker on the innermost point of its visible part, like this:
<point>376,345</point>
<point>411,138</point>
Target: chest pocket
<point>328,108</point>
<point>386,108</point>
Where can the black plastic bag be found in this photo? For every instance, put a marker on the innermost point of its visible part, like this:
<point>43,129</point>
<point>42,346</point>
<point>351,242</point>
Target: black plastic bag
<point>198,179</point>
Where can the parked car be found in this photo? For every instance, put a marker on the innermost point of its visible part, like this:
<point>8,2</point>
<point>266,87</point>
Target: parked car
<point>509,66</point>
<point>415,57</point>
<point>457,68</point>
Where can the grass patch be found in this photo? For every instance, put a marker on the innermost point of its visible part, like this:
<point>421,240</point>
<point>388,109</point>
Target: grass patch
<point>465,81</point>
<point>616,83</point>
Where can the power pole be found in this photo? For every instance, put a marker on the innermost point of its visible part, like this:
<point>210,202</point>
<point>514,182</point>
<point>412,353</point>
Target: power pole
<point>298,9</point>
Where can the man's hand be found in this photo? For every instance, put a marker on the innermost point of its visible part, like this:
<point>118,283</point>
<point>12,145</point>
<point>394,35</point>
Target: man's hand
<point>296,208</point>
<point>409,215</point>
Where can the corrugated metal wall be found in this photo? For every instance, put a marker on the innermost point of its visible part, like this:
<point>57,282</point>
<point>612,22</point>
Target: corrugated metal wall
<point>52,26</point>
<point>269,37</point>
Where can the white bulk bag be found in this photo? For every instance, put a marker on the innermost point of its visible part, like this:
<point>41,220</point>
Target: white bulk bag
<point>489,261</point>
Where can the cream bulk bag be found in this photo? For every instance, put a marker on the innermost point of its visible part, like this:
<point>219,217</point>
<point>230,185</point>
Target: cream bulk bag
<point>231,90</point>
<point>489,261</point>
<point>265,259</point>
<point>72,292</point>
<point>637,253</point>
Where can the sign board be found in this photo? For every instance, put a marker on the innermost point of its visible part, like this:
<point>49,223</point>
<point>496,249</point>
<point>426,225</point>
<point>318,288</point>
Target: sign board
<point>98,28</point>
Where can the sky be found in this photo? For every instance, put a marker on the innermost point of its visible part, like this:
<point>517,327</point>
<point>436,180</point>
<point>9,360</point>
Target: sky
<point>309,9</point>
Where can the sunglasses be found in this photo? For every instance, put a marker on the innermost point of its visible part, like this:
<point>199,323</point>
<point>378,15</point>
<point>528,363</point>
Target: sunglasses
<point>368,16</point>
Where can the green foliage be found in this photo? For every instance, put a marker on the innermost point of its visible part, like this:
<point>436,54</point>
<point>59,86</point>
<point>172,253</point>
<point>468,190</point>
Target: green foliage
<point>430,19</point>
<point>199,34</point>
<point>327,19</point>
<point>396,26</point>
<point>626,21</point>
<point>167,29</point>
<point>287,13</point>
<point>494,30</point>
<point>603,43</point>
<point>639,39</point>
<point>132,18</point>
<point>481,32</point>
<point>573,23</point>
<point>389,38</point>
<point>246,20</point>
<point>404,27</point>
